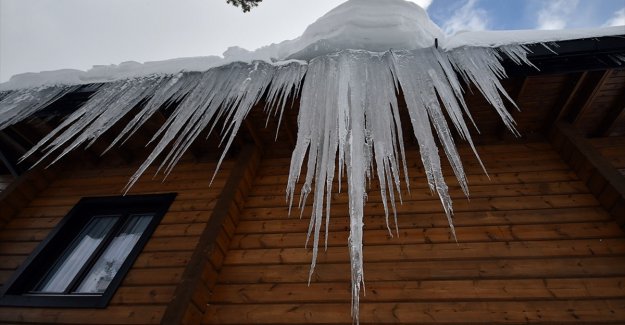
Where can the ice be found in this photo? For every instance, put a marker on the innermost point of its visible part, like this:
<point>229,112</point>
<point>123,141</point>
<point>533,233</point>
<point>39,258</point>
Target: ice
<point>108,105</point>
<point>224,94</point>
<point>349,122</point>
<point>20,104</point>
<point>349,115</point>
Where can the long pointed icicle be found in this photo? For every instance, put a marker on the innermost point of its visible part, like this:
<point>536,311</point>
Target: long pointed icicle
<point>348,123</point>
<point>18,105</point>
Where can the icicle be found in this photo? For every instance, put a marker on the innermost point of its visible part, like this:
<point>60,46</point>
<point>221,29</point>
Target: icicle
<point>109,104</point>
<point>286,81</point>
<point>349,115</point>
<point>482,67</point>
<point>18,105</point>
<point>169,90</point>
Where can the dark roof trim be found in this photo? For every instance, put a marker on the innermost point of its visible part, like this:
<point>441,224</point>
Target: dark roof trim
<point>572,56</point>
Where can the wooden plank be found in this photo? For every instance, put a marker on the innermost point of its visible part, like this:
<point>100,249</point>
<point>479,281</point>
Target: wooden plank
<point>121,181</point>
<point>68,199</point>
<point>162,259</point>
<point>128,171</point>
<point>149,295</point>
<point>607,142</point>
<point>279,166</point>
<point>117,188</point>
<point>17,248</point>
<point>502,268</point>
<point>478,178</point>
<point>177,206</point>
<point>112,315</point>
<point>11,262</point>
<point>153,276</point>
<point>181,229</point>
<point>477,204</point>
<point>177,309</point>
<point>422,291</point>
<point>424,194</point>
<point>469,168</point>
<point>428,220</point>
<point>522,312</point>
<point>397,250</point>
<point>166,244</point>
<point>33,223</point>
<point>489,150</point>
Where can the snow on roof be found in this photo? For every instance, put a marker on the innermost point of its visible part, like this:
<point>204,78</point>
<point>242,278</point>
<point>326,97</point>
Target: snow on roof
<point>373,25</point>
<point>506,37</point>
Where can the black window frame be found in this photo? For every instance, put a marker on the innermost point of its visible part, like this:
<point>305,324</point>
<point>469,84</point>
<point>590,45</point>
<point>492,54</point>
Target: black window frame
<point>17,291</point>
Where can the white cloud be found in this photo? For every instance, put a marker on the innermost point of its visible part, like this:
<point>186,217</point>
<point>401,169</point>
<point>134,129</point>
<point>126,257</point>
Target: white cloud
<point>423,3</point>
<point>555,14</point>
<point>467,17</point>
<point>618,19</point>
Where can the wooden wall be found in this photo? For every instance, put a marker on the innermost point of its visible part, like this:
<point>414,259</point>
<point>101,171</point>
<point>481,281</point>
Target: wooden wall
<point>612,149</point>
<point>534,246</point>
<point>150,284</point>
<point>592,168</point>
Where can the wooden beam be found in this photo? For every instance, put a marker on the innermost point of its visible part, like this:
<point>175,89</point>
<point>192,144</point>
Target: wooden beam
<point>603,180</point>
<point>191,295</point>
<point>593,83</point>
<point>612,119</point>
<point>563,105</point>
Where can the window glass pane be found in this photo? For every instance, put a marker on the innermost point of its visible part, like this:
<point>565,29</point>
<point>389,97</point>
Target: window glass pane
<point>107,265</point>
<point>76,255</point>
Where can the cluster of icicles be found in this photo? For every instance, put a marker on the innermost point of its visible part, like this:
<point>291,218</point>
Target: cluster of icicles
<point>348,113</point>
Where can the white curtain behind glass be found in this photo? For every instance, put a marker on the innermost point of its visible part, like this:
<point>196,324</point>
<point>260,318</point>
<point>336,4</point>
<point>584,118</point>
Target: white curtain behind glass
<point>75,256</point>
<point>107,265</point>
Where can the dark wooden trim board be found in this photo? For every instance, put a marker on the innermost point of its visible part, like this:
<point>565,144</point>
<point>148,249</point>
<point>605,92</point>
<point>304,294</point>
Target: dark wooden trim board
<point>208,255</point>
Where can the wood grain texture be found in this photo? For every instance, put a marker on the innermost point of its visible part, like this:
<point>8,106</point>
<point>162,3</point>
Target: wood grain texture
<point>149,286</point>
<point>534,246</point>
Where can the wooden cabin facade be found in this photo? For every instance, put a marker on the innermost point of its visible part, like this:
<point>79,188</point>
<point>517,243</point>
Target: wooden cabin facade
<point>540,241</point>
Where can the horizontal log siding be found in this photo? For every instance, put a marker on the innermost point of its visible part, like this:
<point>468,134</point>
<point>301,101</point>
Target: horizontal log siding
<point>150,284</point>
<point>534,246</point>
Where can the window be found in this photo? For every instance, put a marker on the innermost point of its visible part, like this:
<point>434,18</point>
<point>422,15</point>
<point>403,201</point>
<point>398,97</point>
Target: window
<point>84,259</point>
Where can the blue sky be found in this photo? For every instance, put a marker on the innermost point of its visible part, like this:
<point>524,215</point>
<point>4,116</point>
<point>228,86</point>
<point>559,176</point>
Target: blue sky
<point>42,35</point>
<point>526,14</point>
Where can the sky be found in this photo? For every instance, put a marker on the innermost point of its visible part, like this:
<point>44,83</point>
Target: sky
<point>43,35</point>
